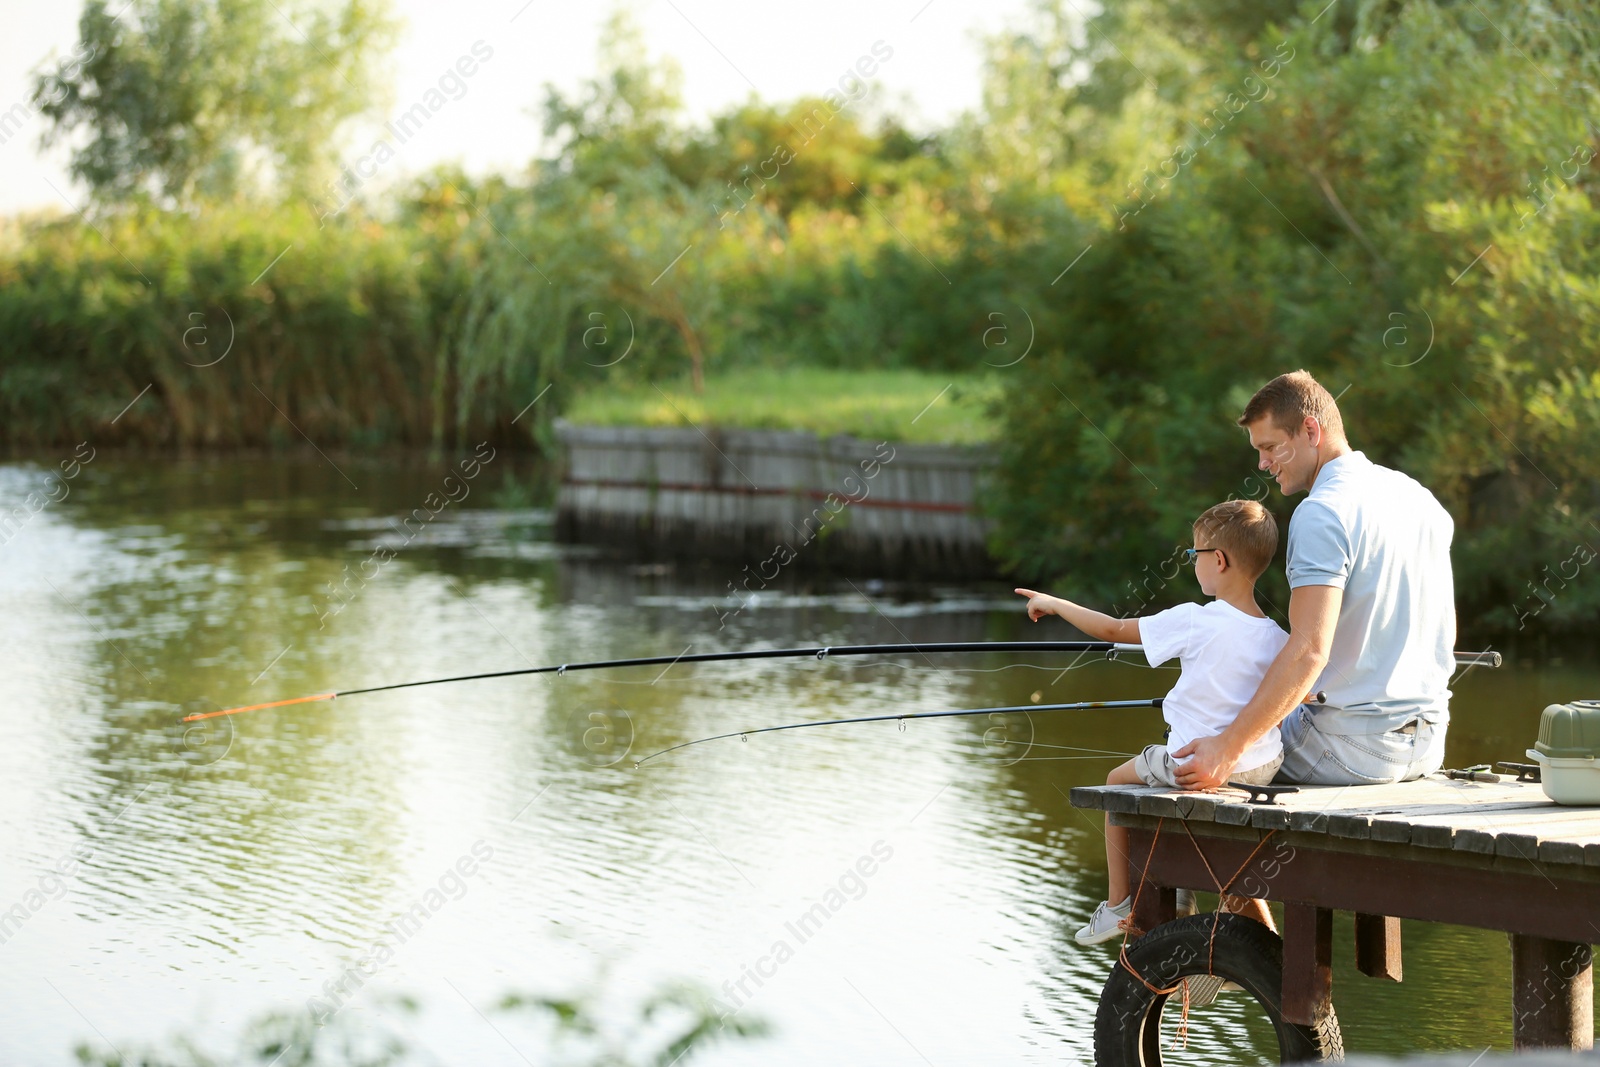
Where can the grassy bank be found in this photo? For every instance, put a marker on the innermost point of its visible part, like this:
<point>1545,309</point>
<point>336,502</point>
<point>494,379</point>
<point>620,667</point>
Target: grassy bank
<point>893,405</point>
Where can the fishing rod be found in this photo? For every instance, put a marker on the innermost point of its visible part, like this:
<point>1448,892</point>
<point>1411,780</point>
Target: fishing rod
<point>1487,659</point>
<point>1110,649</point>
<point>1087,705</point>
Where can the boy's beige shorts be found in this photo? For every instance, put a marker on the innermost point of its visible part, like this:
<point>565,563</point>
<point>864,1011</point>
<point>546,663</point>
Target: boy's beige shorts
<point>1155,766</point>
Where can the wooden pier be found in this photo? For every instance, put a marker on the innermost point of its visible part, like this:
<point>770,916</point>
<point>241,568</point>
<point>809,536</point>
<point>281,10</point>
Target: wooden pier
<point>1497,856</point>
<point>776,499</point>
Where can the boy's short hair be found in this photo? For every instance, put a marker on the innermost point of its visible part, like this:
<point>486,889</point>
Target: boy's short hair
<point>1288,399</point>
<point>1243,529</point>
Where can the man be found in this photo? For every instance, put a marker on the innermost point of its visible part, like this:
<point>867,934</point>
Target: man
<point>1372,621</point>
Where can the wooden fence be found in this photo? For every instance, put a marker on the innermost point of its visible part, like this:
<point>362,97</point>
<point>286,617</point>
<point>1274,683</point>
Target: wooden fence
<point>784,497</point>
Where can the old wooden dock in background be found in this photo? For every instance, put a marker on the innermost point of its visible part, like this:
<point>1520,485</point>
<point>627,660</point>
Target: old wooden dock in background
<point>760,495</point>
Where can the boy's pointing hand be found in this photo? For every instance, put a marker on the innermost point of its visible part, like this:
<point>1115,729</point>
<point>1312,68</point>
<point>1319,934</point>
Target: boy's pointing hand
<point>1038,603</point>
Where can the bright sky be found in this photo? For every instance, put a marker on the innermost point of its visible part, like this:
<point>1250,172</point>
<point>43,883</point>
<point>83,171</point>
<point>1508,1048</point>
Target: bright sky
<point>778,49</point>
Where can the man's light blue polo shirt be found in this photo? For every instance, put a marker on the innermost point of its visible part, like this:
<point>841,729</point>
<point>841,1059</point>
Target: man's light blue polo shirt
<point>1381,537</point>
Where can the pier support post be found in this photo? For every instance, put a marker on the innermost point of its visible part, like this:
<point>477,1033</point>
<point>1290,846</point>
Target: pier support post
<point>1552,994</point>
<point>1378,946</point>
<point>1307,963</point>
<point>1153,904</point>
<point>1157,904</point>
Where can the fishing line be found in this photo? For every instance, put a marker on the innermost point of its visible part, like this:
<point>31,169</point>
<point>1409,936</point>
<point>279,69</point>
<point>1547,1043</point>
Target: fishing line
<point>1009,666</point>
<point>1037,759</point>
<point>1068,748</point>
<point>746,734</point>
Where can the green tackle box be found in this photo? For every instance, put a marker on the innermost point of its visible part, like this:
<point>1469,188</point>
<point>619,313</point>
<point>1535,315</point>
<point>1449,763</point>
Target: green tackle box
<point>1568,752</point>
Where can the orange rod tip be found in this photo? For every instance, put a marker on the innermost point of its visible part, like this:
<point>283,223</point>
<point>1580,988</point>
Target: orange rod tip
<point>258,707</point>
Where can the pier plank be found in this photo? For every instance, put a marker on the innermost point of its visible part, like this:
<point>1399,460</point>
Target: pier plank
<point>1473,839</point>
<point>1194,807</point>
<point>1517,846</point>
<point>1507,819</point>
<point>1527,839</point>
<point>1269,817</point>
<point>1581,850</point>
<point>1127,802</point>
<point>1311,821</point>
<point>1355,826</point>
<point>1561,851</point>
<point>1235,814</point>
<point>1479,830</point>
<point>1436,827</point>
<point>1554,817</point>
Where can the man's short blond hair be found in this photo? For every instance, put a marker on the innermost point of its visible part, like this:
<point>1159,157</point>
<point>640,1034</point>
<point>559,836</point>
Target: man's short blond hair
<point>1288,399</point>
<point>1243,529</point>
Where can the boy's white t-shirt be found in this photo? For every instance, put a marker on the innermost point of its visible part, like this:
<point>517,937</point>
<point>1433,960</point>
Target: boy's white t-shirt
<point>1224,653</point>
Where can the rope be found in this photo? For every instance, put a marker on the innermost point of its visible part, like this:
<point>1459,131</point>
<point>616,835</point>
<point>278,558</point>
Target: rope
<point>1222,889</point>
<point>1130,930</point>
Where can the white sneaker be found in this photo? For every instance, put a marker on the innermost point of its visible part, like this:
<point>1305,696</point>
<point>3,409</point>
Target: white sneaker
<point>1105,923</point>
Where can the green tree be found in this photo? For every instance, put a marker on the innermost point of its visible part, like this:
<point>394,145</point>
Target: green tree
<point>627,117</point>
<point>187,100</point>
<point>621,172</point>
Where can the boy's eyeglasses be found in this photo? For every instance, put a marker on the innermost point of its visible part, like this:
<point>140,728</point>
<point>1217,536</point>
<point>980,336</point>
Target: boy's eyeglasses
<point>1191,554</point>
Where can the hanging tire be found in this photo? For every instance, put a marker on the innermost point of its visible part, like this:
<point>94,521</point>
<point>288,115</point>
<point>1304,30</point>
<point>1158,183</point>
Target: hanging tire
<point>1127,1027</point>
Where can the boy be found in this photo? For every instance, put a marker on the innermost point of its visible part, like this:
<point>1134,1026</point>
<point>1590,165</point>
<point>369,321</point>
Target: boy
<point>1223,647</point>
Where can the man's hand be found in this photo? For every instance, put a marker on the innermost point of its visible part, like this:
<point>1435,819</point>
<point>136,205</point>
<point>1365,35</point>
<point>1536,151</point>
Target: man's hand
<point>1211,761</point>
<point>1039,604</point>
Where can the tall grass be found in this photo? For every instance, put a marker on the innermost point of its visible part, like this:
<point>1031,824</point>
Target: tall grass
<point>244,327</point>
<point>894,405</point>
<point>237,328</point>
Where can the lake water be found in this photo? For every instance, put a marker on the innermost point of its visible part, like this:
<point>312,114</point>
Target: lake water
<point>455,844</point>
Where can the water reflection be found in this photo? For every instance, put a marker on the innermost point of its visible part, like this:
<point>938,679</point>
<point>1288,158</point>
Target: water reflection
<point>222,874</point>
